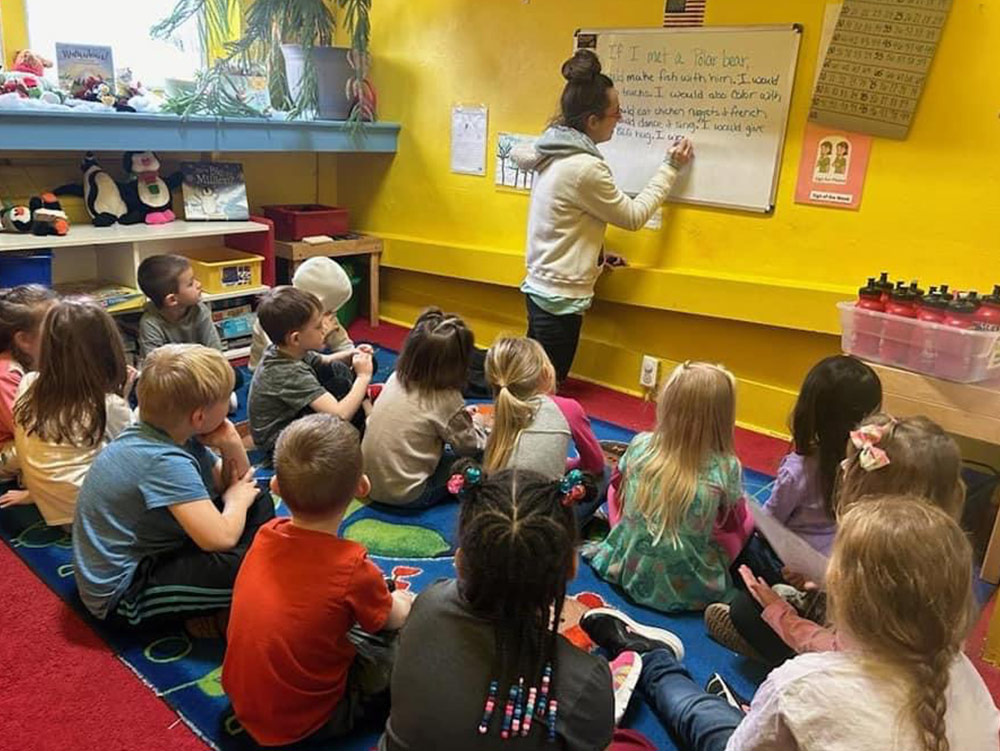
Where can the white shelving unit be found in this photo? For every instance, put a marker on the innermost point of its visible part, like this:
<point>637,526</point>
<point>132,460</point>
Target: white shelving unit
<point>114,253</point>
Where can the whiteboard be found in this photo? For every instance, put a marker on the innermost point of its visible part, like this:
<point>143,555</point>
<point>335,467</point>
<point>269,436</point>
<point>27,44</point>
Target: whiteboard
<point>727,88</point>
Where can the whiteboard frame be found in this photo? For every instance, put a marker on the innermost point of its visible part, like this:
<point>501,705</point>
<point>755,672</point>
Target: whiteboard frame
<point>796,28</point>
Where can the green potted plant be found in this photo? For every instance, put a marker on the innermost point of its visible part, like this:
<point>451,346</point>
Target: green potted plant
<point>294,40</point>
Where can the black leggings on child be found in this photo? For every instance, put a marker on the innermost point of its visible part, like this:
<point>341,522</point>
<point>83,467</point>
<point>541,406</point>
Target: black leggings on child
<point>188,581</point>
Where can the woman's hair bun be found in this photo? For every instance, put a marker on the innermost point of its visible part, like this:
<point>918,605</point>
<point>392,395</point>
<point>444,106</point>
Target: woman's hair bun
<point>583,66</point>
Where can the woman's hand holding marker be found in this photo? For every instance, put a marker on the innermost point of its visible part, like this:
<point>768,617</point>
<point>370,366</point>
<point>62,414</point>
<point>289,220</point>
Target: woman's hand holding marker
<point>681,153</point>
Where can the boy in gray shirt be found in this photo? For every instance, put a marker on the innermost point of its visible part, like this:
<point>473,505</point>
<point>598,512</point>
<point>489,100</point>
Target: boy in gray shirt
<point>174,313</point>
<point>292,379</point>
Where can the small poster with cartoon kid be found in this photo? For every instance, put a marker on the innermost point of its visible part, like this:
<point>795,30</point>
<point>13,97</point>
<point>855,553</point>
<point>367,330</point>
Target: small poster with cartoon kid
<point>833,167</point>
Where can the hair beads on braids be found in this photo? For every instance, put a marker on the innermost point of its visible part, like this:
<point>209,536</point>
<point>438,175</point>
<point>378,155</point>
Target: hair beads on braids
<point>518,543</point>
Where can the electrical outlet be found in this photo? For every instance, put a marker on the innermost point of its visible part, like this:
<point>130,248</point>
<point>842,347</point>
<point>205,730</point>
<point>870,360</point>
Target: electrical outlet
<point>649,372</point>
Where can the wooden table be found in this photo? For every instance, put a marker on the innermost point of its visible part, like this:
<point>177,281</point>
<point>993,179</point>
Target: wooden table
<point>968,409</point>
<point>350,245</point>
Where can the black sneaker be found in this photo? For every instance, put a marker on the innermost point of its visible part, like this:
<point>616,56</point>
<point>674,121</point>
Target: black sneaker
<point>717,686</point>
<point>615,632</point>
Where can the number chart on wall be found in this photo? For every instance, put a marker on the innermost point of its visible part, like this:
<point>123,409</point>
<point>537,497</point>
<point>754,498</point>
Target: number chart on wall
<point>727,88</point>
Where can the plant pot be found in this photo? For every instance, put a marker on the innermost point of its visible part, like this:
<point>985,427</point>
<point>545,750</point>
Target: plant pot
<point>332,73</point>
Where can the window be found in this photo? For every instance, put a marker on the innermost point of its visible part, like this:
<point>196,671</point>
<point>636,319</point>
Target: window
<point>124,26</point>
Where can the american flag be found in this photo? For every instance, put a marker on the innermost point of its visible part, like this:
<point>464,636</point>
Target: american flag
<point>684,13</point>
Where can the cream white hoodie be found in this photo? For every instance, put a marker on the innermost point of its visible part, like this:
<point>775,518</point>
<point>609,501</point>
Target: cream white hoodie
<point>573,199</point>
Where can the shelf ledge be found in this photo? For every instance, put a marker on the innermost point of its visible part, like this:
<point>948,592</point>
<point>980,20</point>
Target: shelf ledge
<point>46,130</point>
<point>81,235</point>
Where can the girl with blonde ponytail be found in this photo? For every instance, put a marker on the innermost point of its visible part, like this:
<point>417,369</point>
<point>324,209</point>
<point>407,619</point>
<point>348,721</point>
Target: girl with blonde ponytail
<point>675,482</point>
<point>532,428</point>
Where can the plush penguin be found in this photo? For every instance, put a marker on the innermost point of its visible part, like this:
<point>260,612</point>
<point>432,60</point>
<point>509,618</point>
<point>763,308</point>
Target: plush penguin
<point>147,194</point>
<point>16,219</point>
<point>47,216</point>
<point>100,193</point>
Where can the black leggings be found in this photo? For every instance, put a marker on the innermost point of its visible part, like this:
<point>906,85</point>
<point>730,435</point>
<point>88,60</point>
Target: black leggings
<point>558,335</point>
<point>188,581</point>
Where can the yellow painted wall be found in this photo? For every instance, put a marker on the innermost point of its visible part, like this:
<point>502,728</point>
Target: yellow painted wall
<point>755,292</point>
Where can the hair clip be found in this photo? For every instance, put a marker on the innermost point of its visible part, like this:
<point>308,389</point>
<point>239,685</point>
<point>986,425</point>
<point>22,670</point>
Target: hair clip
<point>572,487</point>
<point>459,481</point>
<point>866,440</point>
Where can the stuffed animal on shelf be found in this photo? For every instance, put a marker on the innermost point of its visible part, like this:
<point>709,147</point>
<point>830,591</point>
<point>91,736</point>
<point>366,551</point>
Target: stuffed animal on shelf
<point>47,216</point>
<point>147,195</point>
<point>26,61</point>
<point>16,219</point>
<point>27,78</point>
<point>99,191</point>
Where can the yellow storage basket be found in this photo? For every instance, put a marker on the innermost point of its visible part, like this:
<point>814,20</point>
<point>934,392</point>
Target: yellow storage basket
<point>224,269</point>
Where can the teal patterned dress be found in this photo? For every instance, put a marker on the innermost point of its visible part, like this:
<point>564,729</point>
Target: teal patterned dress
<point>671,576</point>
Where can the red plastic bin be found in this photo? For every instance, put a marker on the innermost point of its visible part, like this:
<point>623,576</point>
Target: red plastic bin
<point>294,221</point>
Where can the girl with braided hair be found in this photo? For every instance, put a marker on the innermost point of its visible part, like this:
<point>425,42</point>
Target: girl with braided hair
<point>420,410</point>
<point>900,588</point>
<point>480,663</point>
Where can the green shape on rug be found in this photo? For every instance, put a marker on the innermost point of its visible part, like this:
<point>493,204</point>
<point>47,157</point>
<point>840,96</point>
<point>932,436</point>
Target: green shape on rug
<point>397,540</point>
<point>211,684</point>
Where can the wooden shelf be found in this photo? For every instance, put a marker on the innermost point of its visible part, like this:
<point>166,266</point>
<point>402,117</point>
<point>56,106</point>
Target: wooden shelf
<point>238,353</point>
<point>251,292</point>
<point>87,234</point>
<point>44,130</point>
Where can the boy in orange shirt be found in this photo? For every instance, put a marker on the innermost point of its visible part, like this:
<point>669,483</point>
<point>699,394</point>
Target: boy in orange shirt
<point>301,657</point>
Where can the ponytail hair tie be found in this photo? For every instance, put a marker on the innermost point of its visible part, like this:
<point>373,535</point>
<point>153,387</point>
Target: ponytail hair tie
<point>572,487</point>
<point>462,481</point>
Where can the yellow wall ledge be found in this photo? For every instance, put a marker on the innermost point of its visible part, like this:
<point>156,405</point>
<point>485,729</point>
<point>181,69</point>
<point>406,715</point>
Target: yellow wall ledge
<point>760,300</point>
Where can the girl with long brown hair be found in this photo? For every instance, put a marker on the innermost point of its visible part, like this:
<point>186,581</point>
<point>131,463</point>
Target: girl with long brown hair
<point>21,311</point>
<point>72,407</point>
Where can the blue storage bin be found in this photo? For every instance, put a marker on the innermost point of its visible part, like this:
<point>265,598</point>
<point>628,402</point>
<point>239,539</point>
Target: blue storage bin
<point>236,327</point>
<point>26,267</point>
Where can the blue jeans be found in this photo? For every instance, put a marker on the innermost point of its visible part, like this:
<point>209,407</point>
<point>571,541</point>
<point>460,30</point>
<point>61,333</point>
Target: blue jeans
<point>585,511</point>
<point>699,721</point>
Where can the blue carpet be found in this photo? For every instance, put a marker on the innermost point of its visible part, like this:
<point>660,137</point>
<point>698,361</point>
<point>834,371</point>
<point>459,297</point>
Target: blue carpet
<point>185,671</point>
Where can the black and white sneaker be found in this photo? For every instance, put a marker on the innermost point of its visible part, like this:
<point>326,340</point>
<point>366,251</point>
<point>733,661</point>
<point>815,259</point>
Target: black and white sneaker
<point>717,686</point>
<point>615,632</point>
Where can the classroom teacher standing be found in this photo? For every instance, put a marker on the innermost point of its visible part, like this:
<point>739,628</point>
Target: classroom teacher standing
<point>573,200</point>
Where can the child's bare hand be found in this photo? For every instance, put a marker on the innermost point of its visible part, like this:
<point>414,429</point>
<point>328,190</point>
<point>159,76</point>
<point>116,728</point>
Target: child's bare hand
<point>225,434</point>
<point>366,348</point>
<point>130,379</point>
<point>759,589</point>
<point>15,498</point>
<point>798,581</point>
<point>361,363</point>
<point>681,153</point>
<point>243,491</point>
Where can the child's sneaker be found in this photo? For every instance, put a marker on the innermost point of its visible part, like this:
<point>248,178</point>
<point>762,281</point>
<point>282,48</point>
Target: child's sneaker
<point>721,628</point>
<point>717,686</point>
<point>374,390</point>
<point>625,670</point>
<point>615,632</point>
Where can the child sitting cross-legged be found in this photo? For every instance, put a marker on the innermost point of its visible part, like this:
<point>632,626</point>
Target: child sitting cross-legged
<point>910,456</point>
<point>900,584</point>
<point>675,482</point>
<point>68,411</point>
<point>303,659</point>
<point>175,313</point>
<point>326,279</point>
<point>22,309</point>
<point>161,522</point>
<point>480,662</point>
<point>292,379</point>
<point>419,411</point>
<point>532,428</point>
